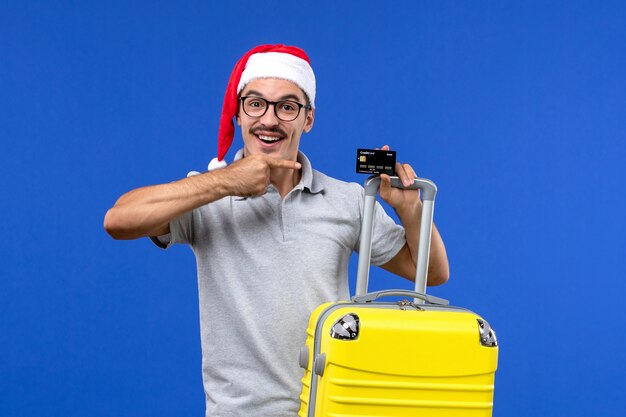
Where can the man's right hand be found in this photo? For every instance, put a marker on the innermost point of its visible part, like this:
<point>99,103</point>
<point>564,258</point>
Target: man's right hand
<point>250,176</point>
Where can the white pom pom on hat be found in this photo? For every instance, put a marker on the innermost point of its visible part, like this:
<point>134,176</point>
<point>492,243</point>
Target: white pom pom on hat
<point>216,164</point>
<point>264,61</point>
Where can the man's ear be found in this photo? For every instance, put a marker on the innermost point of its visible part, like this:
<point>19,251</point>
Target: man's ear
<point>308,122</point>
<point>238,120</point>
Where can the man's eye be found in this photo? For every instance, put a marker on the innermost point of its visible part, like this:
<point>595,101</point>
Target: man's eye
<point>287,107</point>
<point>255,103</point>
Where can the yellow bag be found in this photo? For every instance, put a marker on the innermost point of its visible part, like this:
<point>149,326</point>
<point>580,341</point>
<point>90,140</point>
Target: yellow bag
<point>415,357</point>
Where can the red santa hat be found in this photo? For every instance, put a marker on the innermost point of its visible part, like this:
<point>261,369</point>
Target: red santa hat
<point>264,61</point>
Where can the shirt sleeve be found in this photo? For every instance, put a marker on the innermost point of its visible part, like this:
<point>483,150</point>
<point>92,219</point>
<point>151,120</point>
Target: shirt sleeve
<point>388,237</point>
<point>181,231</point>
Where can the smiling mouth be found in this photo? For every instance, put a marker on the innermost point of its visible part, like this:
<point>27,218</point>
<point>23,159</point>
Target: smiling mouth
<point>269,139</point>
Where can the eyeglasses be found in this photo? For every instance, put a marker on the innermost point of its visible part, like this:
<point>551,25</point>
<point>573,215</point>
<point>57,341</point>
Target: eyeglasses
<point>285,110</point>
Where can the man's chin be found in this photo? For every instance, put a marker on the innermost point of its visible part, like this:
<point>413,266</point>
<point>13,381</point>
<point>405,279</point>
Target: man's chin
<point>278,150</point>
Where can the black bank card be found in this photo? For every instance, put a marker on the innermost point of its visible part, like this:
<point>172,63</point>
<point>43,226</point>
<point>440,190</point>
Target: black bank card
<point>372,161</point>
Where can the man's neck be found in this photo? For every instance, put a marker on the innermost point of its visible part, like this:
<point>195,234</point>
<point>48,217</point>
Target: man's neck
<point>285,179</point>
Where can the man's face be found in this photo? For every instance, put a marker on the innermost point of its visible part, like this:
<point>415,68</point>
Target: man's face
<point>268,134</point>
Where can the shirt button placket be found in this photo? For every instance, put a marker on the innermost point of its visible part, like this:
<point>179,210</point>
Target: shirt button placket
<point>273,198</point>
<point>285,208</point>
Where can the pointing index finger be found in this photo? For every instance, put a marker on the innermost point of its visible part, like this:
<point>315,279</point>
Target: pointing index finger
<point>283,163</point>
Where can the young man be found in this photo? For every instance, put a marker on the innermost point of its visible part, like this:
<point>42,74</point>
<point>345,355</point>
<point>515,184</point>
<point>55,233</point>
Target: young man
<point>272,237</point>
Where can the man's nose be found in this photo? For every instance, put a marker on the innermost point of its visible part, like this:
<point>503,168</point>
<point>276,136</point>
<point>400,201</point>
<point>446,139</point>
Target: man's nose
<point>269,118</point>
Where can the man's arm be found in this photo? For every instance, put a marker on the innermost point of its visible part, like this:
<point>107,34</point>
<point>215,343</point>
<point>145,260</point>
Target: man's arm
<point>408,207</point>
<point>147,211</point>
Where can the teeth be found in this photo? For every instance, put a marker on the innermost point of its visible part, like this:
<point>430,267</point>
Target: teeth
<point>269,138</point>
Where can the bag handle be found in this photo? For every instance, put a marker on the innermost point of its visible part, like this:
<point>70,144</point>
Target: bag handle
<point>429,191</point>
<point>372,296</point>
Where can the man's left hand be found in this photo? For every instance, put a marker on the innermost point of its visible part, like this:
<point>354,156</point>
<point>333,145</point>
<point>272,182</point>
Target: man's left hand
<point>397,198</point>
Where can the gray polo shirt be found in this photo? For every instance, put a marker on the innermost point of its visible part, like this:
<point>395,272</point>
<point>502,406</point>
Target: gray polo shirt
<point>264,264</point>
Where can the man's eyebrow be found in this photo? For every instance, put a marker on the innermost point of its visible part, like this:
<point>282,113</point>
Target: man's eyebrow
<point>290,97</point>
<point>285,97</point>
<point>254,93</point>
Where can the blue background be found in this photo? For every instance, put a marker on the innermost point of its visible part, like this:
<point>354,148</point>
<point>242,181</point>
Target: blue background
<point>516,110</point>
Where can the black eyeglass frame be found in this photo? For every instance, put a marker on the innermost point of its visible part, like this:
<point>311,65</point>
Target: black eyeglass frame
<point>274,103</point>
